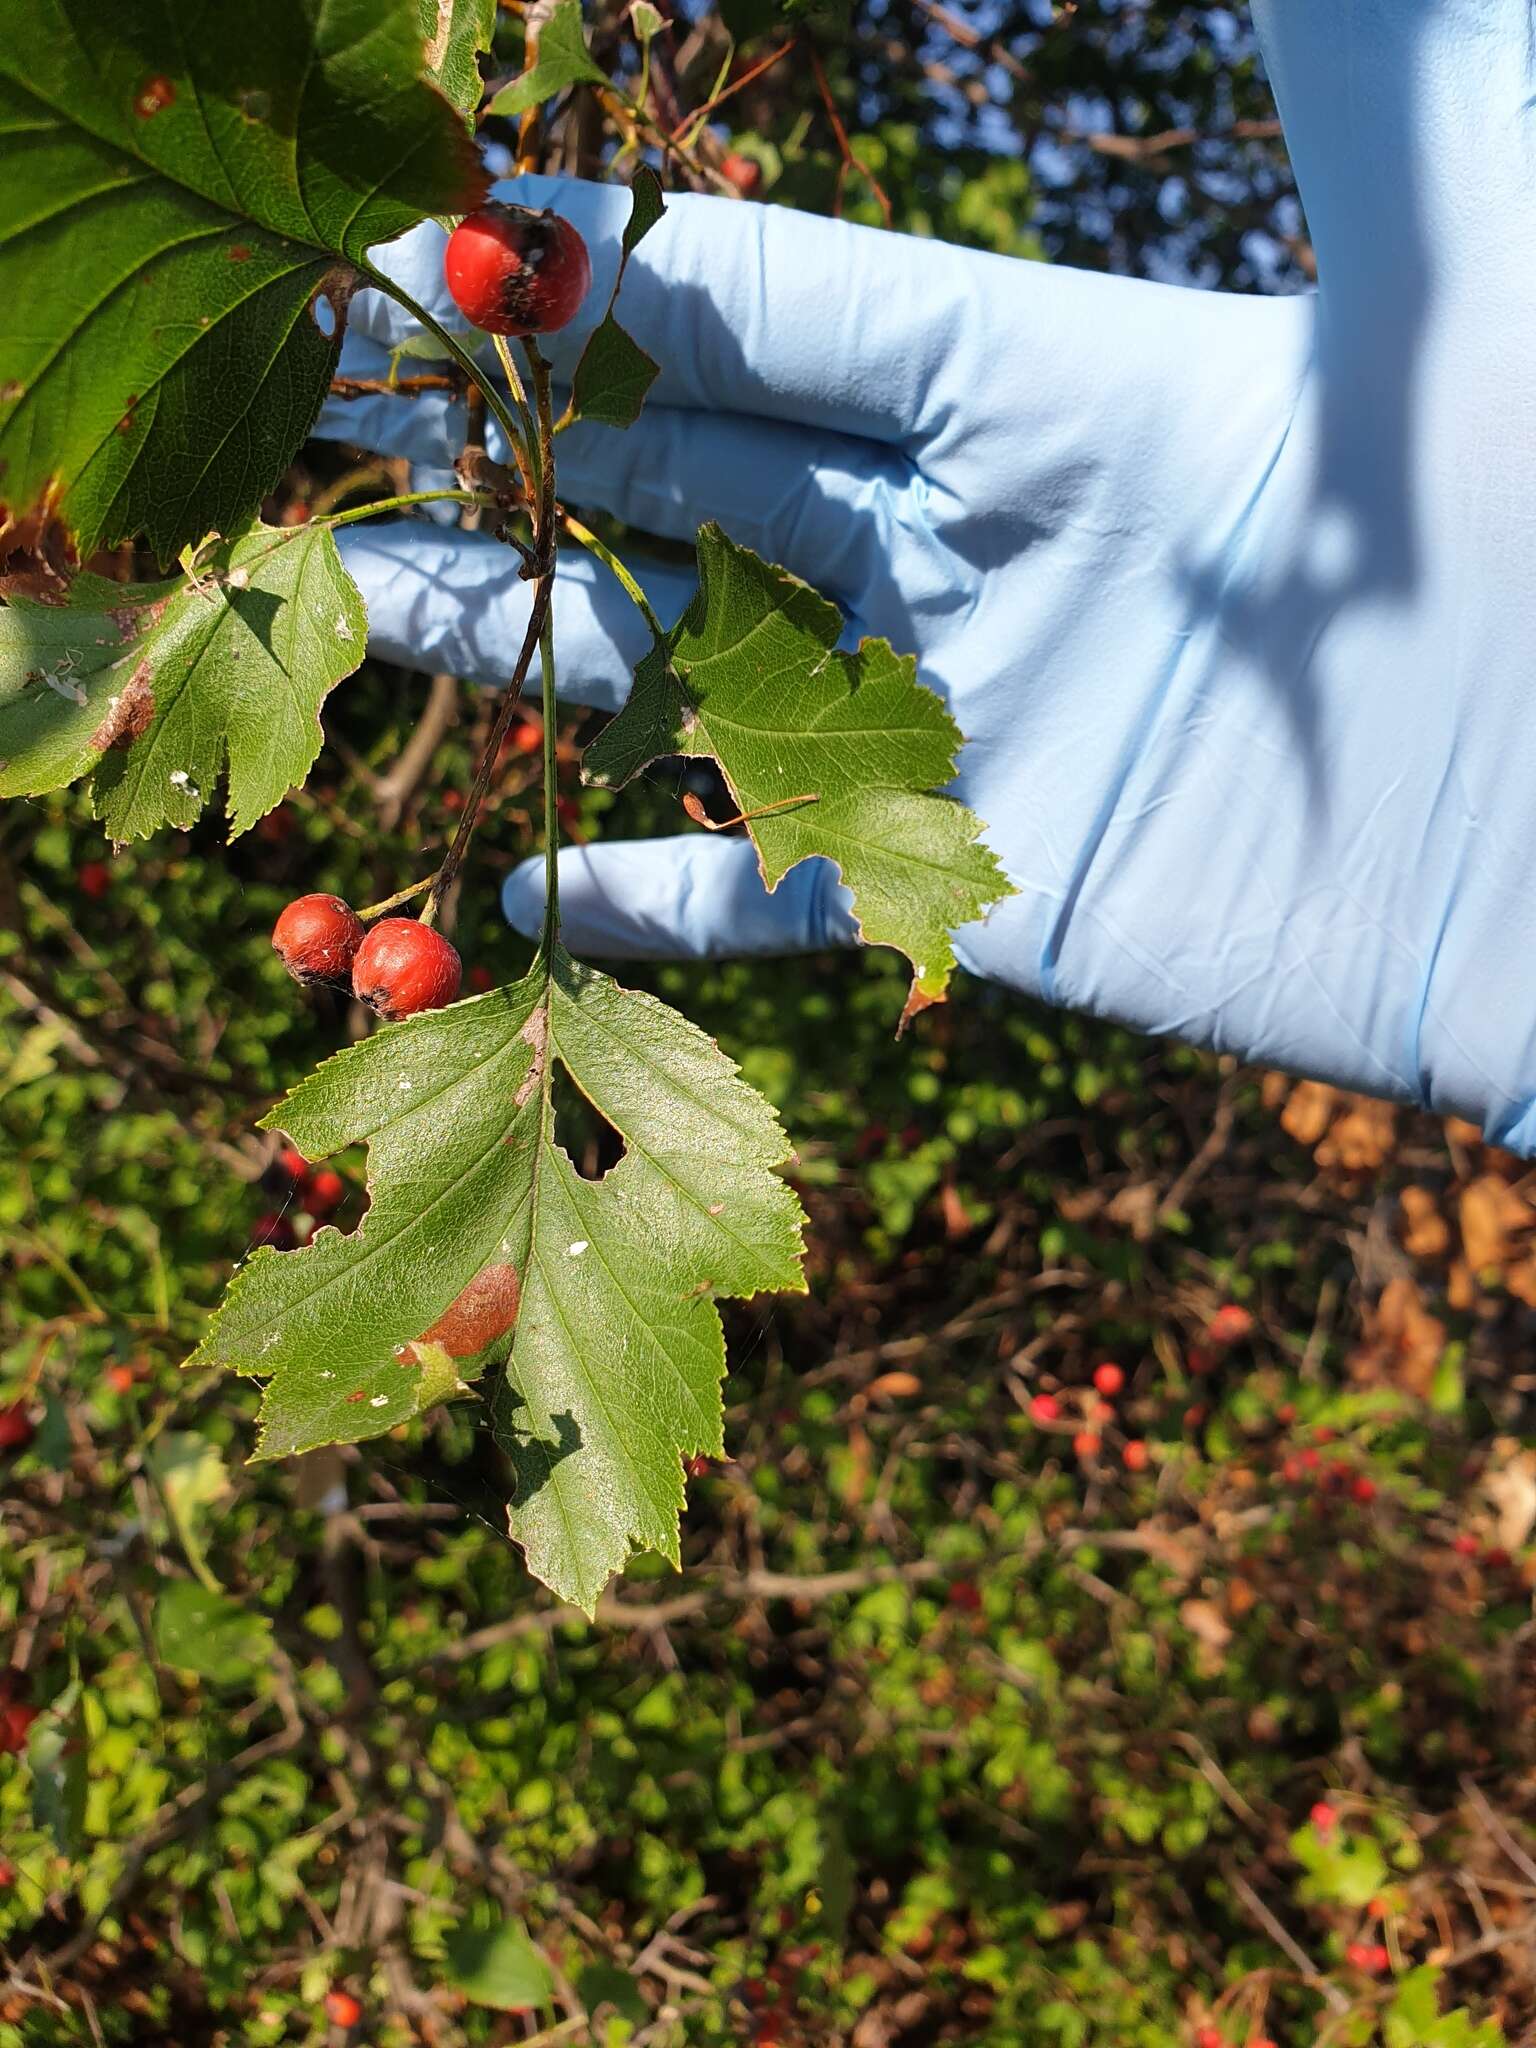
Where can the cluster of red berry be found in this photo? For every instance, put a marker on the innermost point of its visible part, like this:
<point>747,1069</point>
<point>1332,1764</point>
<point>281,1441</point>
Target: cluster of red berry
<point>1094,1418</point>
<point>314,1193</point>
<point>400,967</point>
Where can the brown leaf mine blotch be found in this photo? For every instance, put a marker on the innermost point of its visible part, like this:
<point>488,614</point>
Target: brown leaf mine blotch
<point>129,714</point>
<point>153,95</point>
<point>486,1310</point>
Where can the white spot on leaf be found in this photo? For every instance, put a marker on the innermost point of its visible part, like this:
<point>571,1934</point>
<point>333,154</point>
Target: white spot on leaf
<point>579,1247</point>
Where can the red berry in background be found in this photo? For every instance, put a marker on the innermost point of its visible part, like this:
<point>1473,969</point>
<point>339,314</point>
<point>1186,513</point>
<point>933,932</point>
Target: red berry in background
<point>17,1428</point>
<point>317,938</point>
<point>1323,1817</point>
<point>1363,1489</point>
<point>293,1163</point>
<point>119,1378</point>
<point>1135,1455</point>
<point>93,878</point>
<point>965,1595</point>
<point>273,1230</point>
<point>1465,1545</point>
<point>1045,1408</point>
<point>1210,2037</point>
<point>342,2009</point>
<point>481,979</point>
<point>1087,1445</point>
<point>1497,1559</point>
<point>404,967</point>
<point>16,1719</point>
<point>1109,1379</point>
<point>1369,1956</point>
<point>513,271</point>
<point>745,174</point>
<point>324,1190</point>
<point>697,1467</point>
<point>1229,1325</point>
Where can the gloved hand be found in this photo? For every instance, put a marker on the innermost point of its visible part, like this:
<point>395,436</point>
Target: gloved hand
<point>1233,598</point>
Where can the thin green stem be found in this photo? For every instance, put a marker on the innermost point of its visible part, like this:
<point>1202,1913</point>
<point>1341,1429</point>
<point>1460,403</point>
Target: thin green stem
<point>378,505</point>
<point>454,347</point>
<point>589,540</point>
<point>525,453</point>
<point>544,542</point>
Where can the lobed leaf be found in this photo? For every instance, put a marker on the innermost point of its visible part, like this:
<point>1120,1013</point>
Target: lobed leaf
<point>185,180</point>
<point>610,1373</point>
<point>561,60</point>
<point>154,688</point>
<point>825,753</point>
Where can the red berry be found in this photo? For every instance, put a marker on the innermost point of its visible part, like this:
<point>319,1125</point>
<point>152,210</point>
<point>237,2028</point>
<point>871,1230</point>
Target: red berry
<point>1210,2037</point>
<point>273,1230</point>
<point>1087,1445</point>
<point>404,967</point>
<point>1101,1414</point>
<point>1465,1545</point>
<point>1497,1559</point>
<point>1045,1408</point>
<point>17,1428</point>
<point>119,1378</point>
<point>1108,1378</point>
<point>1363,1489</point>
<point>1381,1957</point>
<point>964,1594</point>
<point>481,979</point>
<point>513,271</point>
<point>1201,1361</point>
<point>1369,1956</point>
<point>342,2009</point>
<point>324,1191</point>
<point>1195,1415</point>
<point>293,1163</point>
<point>317,937</point>
<point>1229,1325</point>
<point>1261,2041</point>
<point>1135,1455</point>
<point>1323,1817</point>
<point>16,1718</point>
<point>697,1467</point>
<point>1285,1414</point>
<point>745,174</point>
<point>1291,1471</point>
<point>93,878</point>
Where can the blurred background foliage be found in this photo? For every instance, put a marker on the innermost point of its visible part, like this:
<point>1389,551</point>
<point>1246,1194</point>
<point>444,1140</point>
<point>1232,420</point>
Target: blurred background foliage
<point>1113,1622</point>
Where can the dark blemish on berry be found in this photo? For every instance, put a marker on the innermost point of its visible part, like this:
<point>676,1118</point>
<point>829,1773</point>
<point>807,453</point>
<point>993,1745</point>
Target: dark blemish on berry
<point>153,96</point>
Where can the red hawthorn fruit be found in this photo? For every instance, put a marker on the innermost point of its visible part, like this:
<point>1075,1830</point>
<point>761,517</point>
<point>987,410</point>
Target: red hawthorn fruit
<point>513,271</point>
<point>119,1378</point>
<point>293,1163</point>
<point>16,1719</point>
<point>1109,1378</point>
<point>1369,1956</point>
<point>1323,1817</point>
<point>404,967</point>
<point>317,937</point>
<point>1210,2037</point>
<point>7,1874</point>
<point>1465,1545</point>
<point>17,1428</point>
<point>742,172</point>
<point>485,1310</point>
<point>1101,1414</point>
<point>1135,1455</point>
<point>274,1230</point>
<point>964,1594</point>
<point>1045,1408</point>
<point>1195,1415</point>
<point>698,1466</point>
<point>324,1190</point>
<point>1230,1324</point>
<point>1381,1957</point>
<point>342,2009</point>
<point>1285,1414</point>
<point>93,878</point>
<point>1497,1559</point>
<point>1363,1489</point>
<point>1087,1445</point>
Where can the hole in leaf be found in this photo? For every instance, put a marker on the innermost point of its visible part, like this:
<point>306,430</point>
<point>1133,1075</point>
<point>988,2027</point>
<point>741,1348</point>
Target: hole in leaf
<point>592,1144</point>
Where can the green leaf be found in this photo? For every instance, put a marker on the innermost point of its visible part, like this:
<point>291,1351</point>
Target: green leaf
<point>594,1304</point>
<point>154,687</point>
<point>612,378</point>
<point>58,1752</point>
<point>455,32</point>
<point>190,1474</point>
<point>498,1967</point>
<point>561,61</point>
<point>615,373</point>
<point>181,183</point>
<point>849,744</point>
<point>646,20</point>
<point>205,1632</point>
<point>601,1984</point>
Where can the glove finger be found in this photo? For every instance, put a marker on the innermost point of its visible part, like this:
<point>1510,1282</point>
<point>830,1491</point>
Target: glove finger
<point>454,602</point>
<point>694,897</point>
<point>824,505</point>
<point>753,309</point>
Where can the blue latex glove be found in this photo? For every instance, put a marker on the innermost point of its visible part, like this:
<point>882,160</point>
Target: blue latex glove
<point>1234,599</point>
